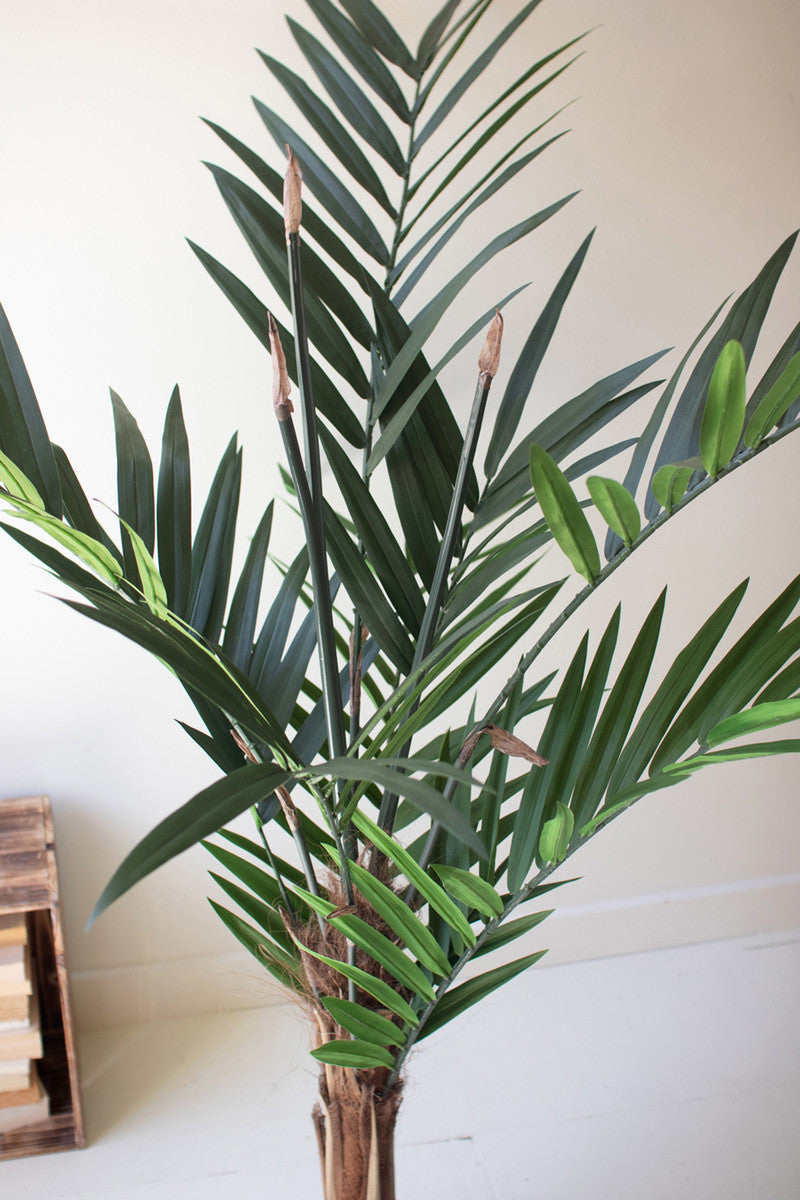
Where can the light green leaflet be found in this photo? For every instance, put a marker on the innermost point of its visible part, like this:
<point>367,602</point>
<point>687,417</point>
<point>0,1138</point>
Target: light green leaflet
<point>670,482</point>
<point>754,720</point>
<point>563,514</point>
<point>556,833</point>
<point>91,553</point>
<point>723,415</point>
<point>353,1053</point>
<point>616,506</point>
<point>471,890</point>
<point>153,588</point>
<point>18,483</point>
<point>436,896</point>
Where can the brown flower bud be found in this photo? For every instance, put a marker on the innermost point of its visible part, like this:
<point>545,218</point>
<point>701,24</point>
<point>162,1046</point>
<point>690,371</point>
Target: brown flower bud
<point>292,195</point>
<point>281,387</point>
<point>489,359</point>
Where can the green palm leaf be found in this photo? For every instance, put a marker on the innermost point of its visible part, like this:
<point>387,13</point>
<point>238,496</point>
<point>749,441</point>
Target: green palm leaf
<point>774,405</point>
<point>743,323</point>
<point>453,222</point>
<point>202,815</point>
<point>480,64</point>
<point>362,1022</point>
<point>212,550</point>
<point>372,985</point>
<point>77,509</point>
<point>428,318</point>
<point>360,53</point>
<point>349,98</point>
<point>564,514</point>
<point>256,316</point>
<point>383,552</point>
<point>268,954</point>
<point>400,919</point>
<point>331,131</point>
<point>24,436</point>
<point>670,482</point>
<point>328,188</point>
<point>174,508</point>
<point>135,494</point>
<point>616,506</point>
<point>754,720</point>
<point>263,230</point>
<point>353,1053</point>
<point>237,642</point>
<point>524,371</point>
<point>427,887</point>
<point>723,415</point>
<point>380,33</point>
<point>616,718</point>
<point>459,999</point>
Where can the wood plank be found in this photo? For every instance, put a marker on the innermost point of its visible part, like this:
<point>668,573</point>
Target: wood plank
<point>29,884</point>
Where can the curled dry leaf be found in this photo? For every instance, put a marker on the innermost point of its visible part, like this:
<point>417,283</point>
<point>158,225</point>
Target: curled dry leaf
<point>281,386</point>
<point>509,744</point>
<point>289,810</point>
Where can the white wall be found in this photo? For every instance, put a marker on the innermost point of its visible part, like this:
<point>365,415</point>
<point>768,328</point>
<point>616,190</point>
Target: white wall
<point>684,143</point>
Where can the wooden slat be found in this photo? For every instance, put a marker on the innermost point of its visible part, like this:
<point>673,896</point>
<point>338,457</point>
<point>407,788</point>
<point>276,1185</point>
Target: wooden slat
<point>25,875</point>
<point>29,884</point>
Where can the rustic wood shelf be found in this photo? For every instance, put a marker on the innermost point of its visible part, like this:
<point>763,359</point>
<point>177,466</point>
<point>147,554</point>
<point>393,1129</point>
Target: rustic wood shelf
<point>29,886</point>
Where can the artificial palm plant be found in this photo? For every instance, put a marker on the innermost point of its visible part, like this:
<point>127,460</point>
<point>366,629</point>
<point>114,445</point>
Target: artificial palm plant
<point>344,712</point>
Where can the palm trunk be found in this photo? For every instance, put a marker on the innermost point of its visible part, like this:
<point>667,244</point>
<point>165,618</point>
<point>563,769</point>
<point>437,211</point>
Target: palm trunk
<point>354,1123</point>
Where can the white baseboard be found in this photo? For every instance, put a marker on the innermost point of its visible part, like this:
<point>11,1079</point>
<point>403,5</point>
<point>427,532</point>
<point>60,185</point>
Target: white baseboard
<point>225,982</point>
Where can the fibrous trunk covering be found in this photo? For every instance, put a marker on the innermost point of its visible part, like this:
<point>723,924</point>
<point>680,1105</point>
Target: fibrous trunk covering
<point>356,1114</point>
<point>354,1122</point>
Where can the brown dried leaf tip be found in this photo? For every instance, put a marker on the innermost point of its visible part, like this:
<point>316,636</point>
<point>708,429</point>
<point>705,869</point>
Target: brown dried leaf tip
<point>292,194</point>
<point>281,387</point>
<point>489,359</point>
<point>289,810</point>
<point>507,743</point>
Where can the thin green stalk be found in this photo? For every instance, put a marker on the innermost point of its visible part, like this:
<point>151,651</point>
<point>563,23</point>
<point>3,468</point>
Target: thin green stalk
<point>310,498</point>
<point>357,640</point>
<point>293,821</point>
<point>323,608</point>
<point>488,362</point>
<point>252,755</point>
<point>319,571</point>
<point>321,587</point>
<point>310,434</point>
<point>399,233</point>
<point>453,527</point>
<point>272,863</point>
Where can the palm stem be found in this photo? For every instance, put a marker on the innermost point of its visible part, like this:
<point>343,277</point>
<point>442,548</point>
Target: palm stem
<point>293,821</point>
<point>272,863</point>
<point>406,194</point>
<point>321,585</point>
<point>487,368</point>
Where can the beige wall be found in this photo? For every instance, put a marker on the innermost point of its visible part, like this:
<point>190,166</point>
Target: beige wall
<point>684,142</point>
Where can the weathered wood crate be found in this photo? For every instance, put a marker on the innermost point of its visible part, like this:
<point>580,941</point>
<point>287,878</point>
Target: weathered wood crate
<point>29,885</point>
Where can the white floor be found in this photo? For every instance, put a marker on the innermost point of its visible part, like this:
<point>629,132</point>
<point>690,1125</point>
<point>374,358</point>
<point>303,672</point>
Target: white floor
<point>659,1076</point>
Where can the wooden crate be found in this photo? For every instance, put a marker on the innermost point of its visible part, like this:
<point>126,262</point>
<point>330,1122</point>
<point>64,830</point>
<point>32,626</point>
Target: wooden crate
<point>29,885</point>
